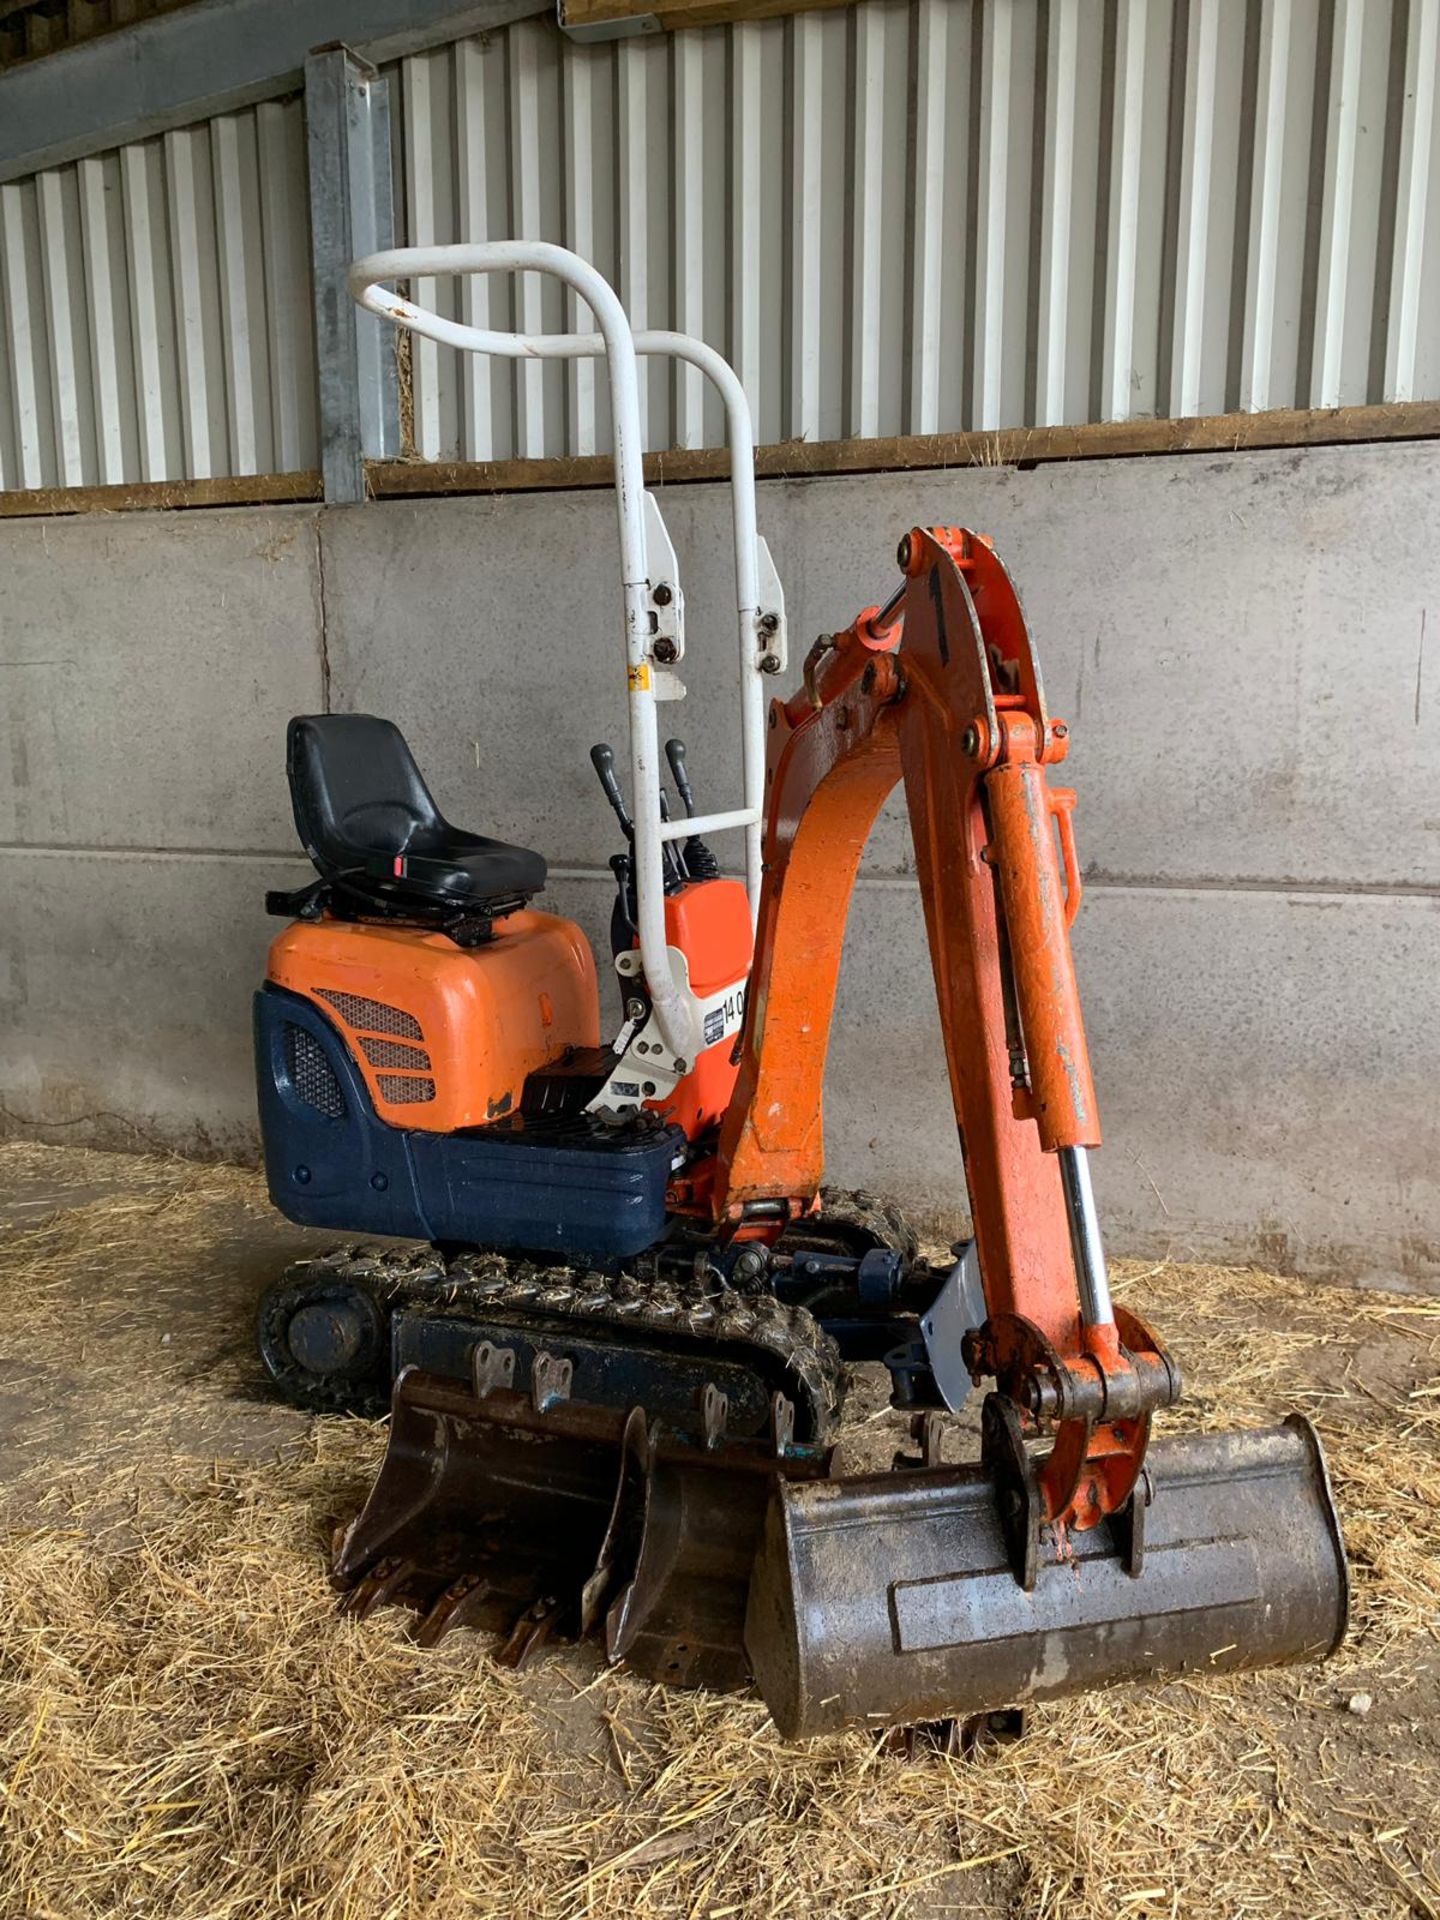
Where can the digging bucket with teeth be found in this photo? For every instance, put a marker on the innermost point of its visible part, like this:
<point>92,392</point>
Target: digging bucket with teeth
<point>491,1506</point>
<point>536,1516</point>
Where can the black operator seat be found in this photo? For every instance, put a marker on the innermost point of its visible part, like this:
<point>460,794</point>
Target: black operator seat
<point>367,820</point>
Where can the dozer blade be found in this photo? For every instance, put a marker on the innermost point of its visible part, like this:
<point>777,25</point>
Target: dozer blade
<point>891,1599</point>
<point>490,1507</point>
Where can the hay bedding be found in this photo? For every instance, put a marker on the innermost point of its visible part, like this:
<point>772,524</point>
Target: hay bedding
<point>187,1729</point>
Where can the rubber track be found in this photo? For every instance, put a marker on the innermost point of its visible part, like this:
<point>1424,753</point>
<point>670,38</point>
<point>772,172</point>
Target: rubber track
<point>486,1283</point>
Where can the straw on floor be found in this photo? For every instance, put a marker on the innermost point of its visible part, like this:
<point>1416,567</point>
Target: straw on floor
<point>188,1729</point>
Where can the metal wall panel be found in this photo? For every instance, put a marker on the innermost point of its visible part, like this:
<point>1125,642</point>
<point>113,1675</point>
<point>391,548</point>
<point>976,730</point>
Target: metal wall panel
<point>155,310</point>
<point>901,216</point>
<point>910,216</point>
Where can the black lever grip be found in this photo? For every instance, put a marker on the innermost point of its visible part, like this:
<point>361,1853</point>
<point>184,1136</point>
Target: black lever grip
<point>675,754</point>
<point>622,914</point>
<point>675,870</point>
<point>700,862</point>
<point>602,758</point>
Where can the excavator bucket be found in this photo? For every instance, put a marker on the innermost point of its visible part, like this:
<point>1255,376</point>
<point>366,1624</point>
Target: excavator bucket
<point>688,1522</point>
<point>893,1599</point>
<point>491,1506</point>
<point>536,1516</point>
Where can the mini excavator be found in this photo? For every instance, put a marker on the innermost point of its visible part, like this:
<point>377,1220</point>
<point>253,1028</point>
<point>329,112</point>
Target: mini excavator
<point>615,1345</point>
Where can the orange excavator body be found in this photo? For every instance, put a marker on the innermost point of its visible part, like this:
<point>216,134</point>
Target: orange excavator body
<point>445,1036</point>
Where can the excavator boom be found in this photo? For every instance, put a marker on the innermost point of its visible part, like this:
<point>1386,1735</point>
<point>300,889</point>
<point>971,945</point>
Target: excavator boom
<point>943,691</point>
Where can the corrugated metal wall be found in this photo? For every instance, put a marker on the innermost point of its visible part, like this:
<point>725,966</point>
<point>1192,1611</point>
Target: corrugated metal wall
<point>903,216</point>
<point>155,310</point>
<point>917,215</point>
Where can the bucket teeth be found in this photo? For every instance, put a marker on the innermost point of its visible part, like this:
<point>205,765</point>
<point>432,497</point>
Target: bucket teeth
<point>529,1633</point>
<point>381,1583</point>
<point>460,1605</point>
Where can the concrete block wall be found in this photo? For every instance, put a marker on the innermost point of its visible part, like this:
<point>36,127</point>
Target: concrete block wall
<point>1239,643</point>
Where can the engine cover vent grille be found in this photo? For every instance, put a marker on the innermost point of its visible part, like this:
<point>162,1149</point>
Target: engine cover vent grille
<point>313,1076</point>
<point>390,1053</point>
<point>402,1091</point>
<point>371,1016</point>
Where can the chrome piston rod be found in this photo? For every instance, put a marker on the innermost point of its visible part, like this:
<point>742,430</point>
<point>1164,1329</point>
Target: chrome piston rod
<point>1089,1250</point>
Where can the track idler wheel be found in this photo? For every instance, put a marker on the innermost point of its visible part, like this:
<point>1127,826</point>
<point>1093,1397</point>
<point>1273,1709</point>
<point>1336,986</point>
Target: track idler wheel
<point>324,1341</point>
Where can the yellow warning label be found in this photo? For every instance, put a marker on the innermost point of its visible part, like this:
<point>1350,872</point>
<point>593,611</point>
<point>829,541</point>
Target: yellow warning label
<point>639,677</point>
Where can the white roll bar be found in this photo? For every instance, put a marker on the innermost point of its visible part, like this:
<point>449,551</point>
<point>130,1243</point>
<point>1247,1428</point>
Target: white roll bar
<point>675,1007</point>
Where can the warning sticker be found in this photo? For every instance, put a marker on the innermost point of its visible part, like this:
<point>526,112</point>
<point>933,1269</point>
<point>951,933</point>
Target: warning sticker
<point>638,678</point>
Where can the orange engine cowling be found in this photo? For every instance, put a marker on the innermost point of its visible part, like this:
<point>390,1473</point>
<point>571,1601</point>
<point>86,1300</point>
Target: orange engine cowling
<point>446,1035</point>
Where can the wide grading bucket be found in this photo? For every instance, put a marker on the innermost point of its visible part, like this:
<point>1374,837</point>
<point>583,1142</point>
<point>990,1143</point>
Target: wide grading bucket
<point>891,1598</point>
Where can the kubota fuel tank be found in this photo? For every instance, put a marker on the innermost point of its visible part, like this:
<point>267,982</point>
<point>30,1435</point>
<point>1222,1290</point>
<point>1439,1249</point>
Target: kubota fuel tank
<point>445,1035</point>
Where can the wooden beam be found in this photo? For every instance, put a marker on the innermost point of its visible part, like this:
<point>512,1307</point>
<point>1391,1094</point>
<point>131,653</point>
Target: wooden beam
<point>1010,447</point>
<point>789,460</point>
<point>243,490</point>
<point>591,15</point>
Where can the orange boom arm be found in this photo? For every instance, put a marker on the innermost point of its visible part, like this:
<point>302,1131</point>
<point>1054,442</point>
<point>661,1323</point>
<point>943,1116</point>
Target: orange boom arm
<point>958,711</point>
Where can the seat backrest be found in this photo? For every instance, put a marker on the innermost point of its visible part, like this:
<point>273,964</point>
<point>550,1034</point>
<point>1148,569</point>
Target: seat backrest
<point>356,790</point>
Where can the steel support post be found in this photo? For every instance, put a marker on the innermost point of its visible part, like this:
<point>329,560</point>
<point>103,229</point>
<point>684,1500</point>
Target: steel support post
<point>352,212</point>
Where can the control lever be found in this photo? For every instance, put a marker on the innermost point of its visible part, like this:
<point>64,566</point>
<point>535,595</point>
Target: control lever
<point>675,754</point>
<point>620,864</point>
<point>602,758</point>
<point>675,870</point>
<point>699,860</point>
<point>622,913</point>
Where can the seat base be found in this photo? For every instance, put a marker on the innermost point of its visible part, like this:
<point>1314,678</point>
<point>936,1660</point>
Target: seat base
<point>467,927</point>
